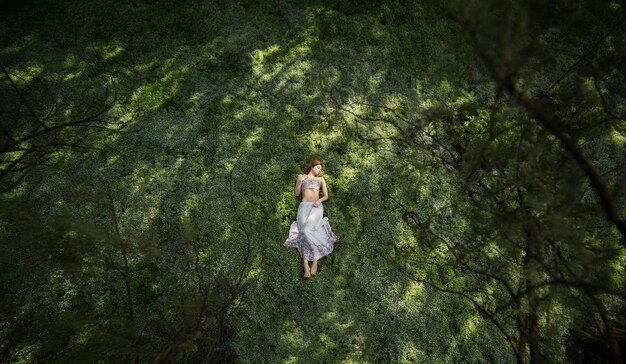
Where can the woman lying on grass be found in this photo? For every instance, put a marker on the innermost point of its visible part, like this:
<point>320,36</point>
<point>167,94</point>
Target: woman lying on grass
<point>311,233</point>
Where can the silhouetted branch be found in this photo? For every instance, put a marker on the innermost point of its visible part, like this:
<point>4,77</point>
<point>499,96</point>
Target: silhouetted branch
<point>574,151</point>
<point>591,50</point>
<point>32,112</point>
<point>44,139</point>
<point>480,308</point>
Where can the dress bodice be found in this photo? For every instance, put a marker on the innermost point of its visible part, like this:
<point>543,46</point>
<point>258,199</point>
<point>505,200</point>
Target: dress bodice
<point>311,183</point>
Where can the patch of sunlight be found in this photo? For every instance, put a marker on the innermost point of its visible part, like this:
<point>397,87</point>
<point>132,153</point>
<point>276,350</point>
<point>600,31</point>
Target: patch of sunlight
<point>262,68</point>
<point>154,95</point>
<point>327,343</point>
<point>111,51</point>
<point>440,252</point>
<point>259,56</point>
<point>27,353</point>
<point>322,137</point>
<point>188,205</point>
<point>356,355</point>
<point>147,194</point>
<point>72,76</point>
<point>470,326</point>
<point>615,267</point>
<point>196,99</point>
<point>168,63</point>
<point>152,212</point>
<point>302,50</point>
<point>292,334</point>
<point>291,360</point>
<point>618,138</point>
<point>445,87</point>
<point>266,75</point>
<point>145,67</point>
<point>89,264</point>
<point>395,102</point>
<point>293,112</point>
<point>338,280</point>
<point>18,46</point>
<point>355,106</point>
<point>71,234</point>
<point>403,235</point>
<point>491,251</point>
<point>69,297</point>
<point>293,78</point>
<point>112,160</point>
<point>441,206</point>
<point>378,33</point>
<point>11,156</point>
<point>19,190</point>
<point>170,78</point>
<point>589,84</point>
<point>254,137</point>
<point>620,261</point>
<point>255,272</point>
<point>425,102</point>
<point>411,353</point>
<point>57,280</point>
<point>70,61</point>
<point>377,79</point>
<point>462,224</point>
<point>84,335</point>
<point>348,174</point>
<point>344,326</point>
<point>230,230</point>
<point>414,292</point>
<point>26,75</point>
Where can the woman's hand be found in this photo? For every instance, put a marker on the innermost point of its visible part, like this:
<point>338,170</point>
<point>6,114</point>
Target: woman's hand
<point>316,203</point>
<point>302,177</point>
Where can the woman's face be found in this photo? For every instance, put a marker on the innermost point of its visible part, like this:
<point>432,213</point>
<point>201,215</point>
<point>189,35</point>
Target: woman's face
<point>317,169</point>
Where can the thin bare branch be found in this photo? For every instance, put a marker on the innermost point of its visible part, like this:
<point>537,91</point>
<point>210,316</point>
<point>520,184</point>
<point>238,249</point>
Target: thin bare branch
<point>32,112</point>
<point>591,50</point>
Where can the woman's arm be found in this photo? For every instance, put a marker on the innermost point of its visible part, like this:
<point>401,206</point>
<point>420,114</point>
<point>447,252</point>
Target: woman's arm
<point>324,190</point>
<point>299,179</point>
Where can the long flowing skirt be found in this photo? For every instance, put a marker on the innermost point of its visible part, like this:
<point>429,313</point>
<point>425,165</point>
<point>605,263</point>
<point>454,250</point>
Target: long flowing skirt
<point>311,233</point>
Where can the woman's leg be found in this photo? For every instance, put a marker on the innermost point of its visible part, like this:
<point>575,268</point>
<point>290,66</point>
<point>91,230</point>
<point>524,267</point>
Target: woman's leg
<point>311,229</point>
<point>307,271</point>
<point>303,214</point>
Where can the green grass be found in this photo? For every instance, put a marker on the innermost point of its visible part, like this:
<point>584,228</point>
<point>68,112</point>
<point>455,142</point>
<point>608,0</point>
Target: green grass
<point>222,103</point>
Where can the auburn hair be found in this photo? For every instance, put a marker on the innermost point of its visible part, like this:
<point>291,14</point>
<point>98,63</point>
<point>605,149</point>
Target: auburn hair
<point>312,163</point>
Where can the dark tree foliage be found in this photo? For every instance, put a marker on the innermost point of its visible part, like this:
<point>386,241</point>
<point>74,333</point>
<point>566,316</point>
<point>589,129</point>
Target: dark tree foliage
<point>535,223</point>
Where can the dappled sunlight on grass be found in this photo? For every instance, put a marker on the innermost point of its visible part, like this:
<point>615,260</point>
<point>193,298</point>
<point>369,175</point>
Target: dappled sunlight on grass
<point>18,45</point>
<point>261,56</point>
<point>110,51</point>
<point>222,104</point>
<point>293,335</point>
<point>28,74</point>
<point>155,95</point>
<point>618,138</point>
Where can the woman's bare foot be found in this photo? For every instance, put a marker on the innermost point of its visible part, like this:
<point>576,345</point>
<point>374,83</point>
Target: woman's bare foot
<point>314,267</point>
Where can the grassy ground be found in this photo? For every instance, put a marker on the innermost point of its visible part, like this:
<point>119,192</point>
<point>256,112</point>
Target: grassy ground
<point>222,104</point>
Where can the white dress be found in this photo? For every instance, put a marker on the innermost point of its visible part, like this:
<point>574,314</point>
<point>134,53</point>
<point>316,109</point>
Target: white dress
<point>311,233</point>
